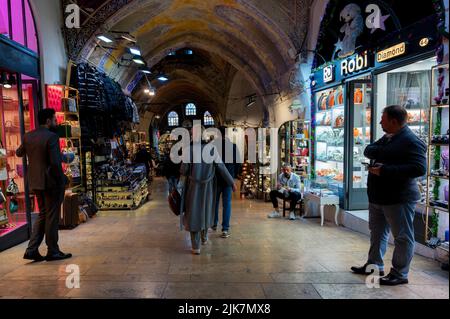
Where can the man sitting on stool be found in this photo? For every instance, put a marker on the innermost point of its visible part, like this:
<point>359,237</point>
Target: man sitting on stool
<point>288,188</point>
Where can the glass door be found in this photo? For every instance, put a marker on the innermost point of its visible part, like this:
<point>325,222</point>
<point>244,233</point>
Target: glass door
<point>17,106</point>
<point>359,136</point>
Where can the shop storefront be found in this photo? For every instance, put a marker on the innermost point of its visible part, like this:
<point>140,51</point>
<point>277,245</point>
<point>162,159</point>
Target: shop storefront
<point>384,62</point>
<point>19,70</point>
<point>102,133</point>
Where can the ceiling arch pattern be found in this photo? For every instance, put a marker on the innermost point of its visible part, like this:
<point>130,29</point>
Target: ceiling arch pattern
<point>272,16</point>
<point>258,38</point>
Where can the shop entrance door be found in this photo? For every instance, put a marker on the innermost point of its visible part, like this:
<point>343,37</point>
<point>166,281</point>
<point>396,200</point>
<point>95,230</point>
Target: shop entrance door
<point>359,135</point>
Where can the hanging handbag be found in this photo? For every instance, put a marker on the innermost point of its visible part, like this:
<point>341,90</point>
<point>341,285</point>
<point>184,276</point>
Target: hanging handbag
<point>174,200</point>
<point>64,130</point>
<point>3,217</point>
<point>75,129</point>
<point>2,197</point>
<point>13,188</point>
<point>3,164</point>
<point>13,205</point>
<point>69,105</point>
<point>19,169</point>
<point>68,153</point>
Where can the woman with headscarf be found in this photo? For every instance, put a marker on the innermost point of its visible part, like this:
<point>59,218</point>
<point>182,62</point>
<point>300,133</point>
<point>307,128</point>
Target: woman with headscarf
<point>199,195</point>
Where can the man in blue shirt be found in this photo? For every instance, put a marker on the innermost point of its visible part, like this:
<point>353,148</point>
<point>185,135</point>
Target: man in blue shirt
<point>289,188</point>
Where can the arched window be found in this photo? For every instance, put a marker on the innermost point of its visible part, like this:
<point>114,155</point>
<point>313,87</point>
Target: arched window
<point>208,119</point>
<point>191,109</point>
<point>172,119</point>
<point>17,23</point>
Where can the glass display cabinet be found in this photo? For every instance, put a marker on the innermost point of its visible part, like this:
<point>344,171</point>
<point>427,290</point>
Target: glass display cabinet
<point>437,208</point>
<point>342,130</point>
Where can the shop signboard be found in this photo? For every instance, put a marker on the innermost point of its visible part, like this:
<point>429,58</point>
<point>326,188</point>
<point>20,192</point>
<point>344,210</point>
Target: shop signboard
<point>392,52</point>
<point>339,70</point>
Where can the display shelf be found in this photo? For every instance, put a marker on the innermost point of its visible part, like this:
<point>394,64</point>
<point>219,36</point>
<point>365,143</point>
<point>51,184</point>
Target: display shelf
<point>125,188</point>
<point>439,176</point>
<point>444,247</point>
<point>68,113</point>
<point>436,189</point>
<point>438,144</point>
<point>333,161</point>
<point>442,209</point>
<point>441,105</point>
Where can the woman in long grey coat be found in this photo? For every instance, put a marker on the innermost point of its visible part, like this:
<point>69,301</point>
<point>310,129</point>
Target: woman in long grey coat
<point>198,196</point>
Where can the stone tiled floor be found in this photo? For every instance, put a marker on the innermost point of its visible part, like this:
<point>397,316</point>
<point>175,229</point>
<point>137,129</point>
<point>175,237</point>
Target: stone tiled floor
<point>142,254</point>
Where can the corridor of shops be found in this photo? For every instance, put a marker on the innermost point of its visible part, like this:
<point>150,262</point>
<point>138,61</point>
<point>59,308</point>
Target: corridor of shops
<point>338,110</point>
<point>143,254</point>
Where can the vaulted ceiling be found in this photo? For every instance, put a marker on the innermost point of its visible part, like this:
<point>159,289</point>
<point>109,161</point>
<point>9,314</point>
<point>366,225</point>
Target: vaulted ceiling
<point>258,38</point>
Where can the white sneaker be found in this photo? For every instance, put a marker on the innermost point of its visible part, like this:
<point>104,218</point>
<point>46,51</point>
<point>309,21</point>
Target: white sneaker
<point>196,251</point>
<point>274,214</point>
<point>225,234</point>
<point>291,216</point>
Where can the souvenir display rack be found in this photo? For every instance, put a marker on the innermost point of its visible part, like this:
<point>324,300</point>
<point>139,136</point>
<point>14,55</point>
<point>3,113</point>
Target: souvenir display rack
<point>437,183</point>
<point>263,181</point>
<point>249,182</point>
<point>64,100</point>
<point>121,186</point>
<point>295,147</point>
<point>165,143</point>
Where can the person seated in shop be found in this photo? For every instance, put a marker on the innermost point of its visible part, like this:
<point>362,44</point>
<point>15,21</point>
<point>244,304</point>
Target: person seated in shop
<point>289,188</point>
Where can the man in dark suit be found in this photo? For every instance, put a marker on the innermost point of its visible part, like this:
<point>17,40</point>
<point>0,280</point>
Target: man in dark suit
<point>397,160</point>
<point>47,180</point>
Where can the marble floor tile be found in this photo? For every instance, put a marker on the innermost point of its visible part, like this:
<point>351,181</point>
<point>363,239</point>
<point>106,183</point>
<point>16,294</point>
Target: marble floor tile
<point>361,291</point>
<point>430,291</point>
<point>290,291</point>
<point>143,254</point>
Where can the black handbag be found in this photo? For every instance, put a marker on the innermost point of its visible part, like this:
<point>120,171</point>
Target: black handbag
<point>64,130</point>
<point>174,200</point>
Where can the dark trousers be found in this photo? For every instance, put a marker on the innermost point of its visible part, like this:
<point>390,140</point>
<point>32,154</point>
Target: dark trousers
<point>47,223</point>
<point>293,198</point>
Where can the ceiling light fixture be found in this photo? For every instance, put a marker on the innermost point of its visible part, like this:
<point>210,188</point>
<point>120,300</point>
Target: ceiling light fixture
<point>145,70</point>
<point>138,60</point>
<point>152,92</point>
<point>3,78</point>
<point>163,78</point>
<point>7,81</point>
<point>128,37</point>
<point>251,99</point>
<point>135,51</point>
<point>104,38</point>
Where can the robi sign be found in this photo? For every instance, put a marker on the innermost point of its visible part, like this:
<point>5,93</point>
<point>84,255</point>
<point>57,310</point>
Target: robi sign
<point>341,69</point>
<point>355,63</point>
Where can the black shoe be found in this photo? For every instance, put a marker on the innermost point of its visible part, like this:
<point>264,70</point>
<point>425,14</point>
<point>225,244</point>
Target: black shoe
<point>214,228</point>
<point>391,280</point>
<point>58,256</point>
<point>36,256</point>
<point>362,271</point>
